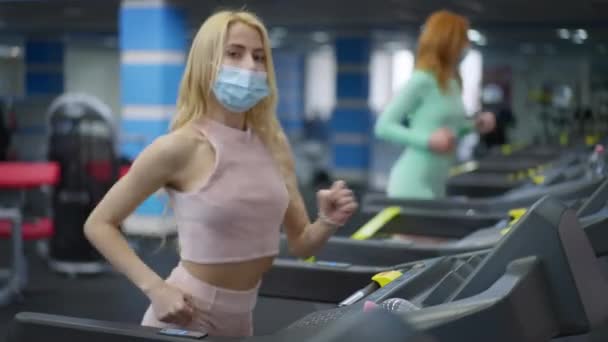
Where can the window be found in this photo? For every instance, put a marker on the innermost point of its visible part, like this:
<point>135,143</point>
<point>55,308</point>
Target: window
<point>471,73</point>
<point>320,89</point>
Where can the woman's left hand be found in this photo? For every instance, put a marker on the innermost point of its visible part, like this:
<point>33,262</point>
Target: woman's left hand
<point>336,204</point>
<point>485,122</point>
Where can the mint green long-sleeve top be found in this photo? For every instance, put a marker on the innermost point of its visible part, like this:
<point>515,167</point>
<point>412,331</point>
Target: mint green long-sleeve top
<point>420,172</point>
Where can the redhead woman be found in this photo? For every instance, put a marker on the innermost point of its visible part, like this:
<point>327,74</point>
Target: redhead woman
<point>432,103</point>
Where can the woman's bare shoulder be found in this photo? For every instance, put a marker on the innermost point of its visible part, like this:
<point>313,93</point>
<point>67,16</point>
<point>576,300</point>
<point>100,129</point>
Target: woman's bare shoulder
<point>175,149</point>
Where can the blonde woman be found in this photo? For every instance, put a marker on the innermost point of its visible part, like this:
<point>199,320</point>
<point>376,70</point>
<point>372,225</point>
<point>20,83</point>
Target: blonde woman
<point>228,170</point>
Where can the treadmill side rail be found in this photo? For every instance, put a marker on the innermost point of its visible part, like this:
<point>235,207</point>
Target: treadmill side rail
<point>551,232</point>
<point>514,308</point>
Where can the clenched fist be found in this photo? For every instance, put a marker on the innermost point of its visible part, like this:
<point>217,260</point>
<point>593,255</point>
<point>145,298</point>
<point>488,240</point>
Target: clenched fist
<point>442,141</point>
<point>336,204</point>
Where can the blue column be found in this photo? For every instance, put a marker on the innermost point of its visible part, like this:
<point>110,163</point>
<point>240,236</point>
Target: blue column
<point>289,69</point>
<point>351,122</point>
<point>153,37</point>
<point>44,67</point>
<point>43,82</point>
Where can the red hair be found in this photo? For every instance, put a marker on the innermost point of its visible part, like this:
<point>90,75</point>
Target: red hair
<point>440,44</point>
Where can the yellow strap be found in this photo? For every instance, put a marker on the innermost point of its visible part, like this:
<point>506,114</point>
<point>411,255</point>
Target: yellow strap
<point>464,168</point>
<point>517,213</point>
<point>521,175</point>
<point>506,149</point>
<point>532,173</point>
<point>538,179</point>
<point>385,278</point>
<point>311,259</point>
<point>563,138</point>
<point>376,223</point>
<point>591,140</point>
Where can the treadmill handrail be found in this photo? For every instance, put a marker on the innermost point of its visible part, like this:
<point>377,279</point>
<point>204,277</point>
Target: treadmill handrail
<point>596,202</point>
<point>576,188</point>
<point>85,324</point>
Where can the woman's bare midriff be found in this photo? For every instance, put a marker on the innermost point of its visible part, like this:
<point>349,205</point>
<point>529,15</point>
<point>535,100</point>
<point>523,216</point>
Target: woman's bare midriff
<point>239,276</point>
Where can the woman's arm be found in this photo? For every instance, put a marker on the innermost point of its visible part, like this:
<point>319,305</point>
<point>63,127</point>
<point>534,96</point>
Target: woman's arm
<point>151,171</point>
<point>483,123</point>
<point>389,125</point>
<point>336,205</point>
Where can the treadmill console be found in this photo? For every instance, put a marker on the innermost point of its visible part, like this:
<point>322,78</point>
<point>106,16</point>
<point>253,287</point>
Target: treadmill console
<point>431,281</point>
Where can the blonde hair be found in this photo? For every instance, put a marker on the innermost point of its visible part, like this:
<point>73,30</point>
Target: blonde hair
<point>440,45</point>
<point>204,62</point>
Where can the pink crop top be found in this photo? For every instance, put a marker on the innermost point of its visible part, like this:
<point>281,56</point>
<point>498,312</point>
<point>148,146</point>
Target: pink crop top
<point>237,214</point>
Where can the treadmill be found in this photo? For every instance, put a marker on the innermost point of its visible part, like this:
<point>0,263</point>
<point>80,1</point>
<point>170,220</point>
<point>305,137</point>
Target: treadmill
<point>522,150</point>
<point>527,156</point>
<point>370,326</point>
<point>455,217</point>
<point>540,282</point>
<point>496,176</point>
<point>567,168</point>
<point>342,251</point>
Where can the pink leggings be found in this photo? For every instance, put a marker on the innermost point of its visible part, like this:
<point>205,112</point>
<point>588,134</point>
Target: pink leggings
<point>221,312</point>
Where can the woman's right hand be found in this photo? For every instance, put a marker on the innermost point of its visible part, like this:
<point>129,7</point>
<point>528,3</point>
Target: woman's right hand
<point>171,305</point>
<point>442,141</point>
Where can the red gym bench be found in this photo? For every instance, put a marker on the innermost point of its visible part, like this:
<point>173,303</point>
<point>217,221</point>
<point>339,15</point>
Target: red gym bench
<point>20,177</point>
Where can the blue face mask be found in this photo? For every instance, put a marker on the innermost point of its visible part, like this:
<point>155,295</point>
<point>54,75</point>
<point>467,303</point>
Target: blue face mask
<point>240,89</point>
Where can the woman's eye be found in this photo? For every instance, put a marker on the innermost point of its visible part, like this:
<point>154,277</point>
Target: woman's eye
<point>259,58</point>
